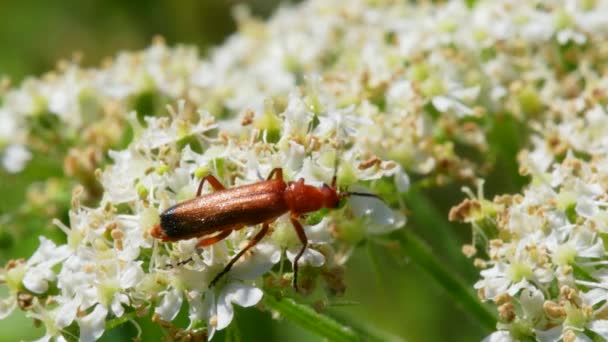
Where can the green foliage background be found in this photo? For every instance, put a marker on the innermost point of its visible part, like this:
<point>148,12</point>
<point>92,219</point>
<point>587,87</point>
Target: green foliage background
<point>386,291</point>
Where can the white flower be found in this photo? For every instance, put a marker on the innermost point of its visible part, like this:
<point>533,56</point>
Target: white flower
<point>39,267</point>
<point>219,303</point>
<point>499,336</point>
<point>7,306</point>
<point>170,304</point>
<point>381,218</point>
<point>15,158</point>
<point>92,325</point>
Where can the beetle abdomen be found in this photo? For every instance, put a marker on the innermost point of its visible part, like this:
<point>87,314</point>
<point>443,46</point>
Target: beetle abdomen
<point>231,208</point>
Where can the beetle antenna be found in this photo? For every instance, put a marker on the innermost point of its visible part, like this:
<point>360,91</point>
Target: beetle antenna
<point>334,179</point>
<point>179,263</point>
<point>361,194</point>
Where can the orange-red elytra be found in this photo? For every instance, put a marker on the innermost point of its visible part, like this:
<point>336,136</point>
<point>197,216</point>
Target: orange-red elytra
<point>212,217</point>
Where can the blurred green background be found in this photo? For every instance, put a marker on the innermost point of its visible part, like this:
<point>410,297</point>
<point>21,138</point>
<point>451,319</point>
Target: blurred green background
<point>386,291</point>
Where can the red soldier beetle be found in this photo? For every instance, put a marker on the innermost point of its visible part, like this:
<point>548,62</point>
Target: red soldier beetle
<point>212,217</point>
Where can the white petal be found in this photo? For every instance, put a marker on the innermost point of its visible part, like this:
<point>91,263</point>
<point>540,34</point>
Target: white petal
<point>117,308</point>
<point>92,325</point>
<point>319,233</point>
<point>66,313</point>
<point>552,335</point>
<point>15,158</point>
<point>170,305</point>
<point>210,309</point>
<point>515,288</point>
<point>442,103</point>
<point>196,309</point>
<point>243,295</point>
<point>224,311</point>
<point>36,281</point>
<point>131,276</point>
<point>581,337</point>
<point>49,253</point>
<point>532,301</point>
<point>295,158</point>
<point>237,293</point>
<point>499,336</point>
<point>310,257</point>
<point>599,327</point>
<point>263,258</point>
<point>383,218</point>
<point>586,207</point>
<point>594,296</point>
<point>402,180</point>
<point>7,305</point>
<point>467,94</point>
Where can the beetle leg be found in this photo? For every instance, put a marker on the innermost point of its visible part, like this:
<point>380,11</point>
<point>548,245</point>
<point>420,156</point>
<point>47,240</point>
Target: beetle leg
<point>179,263</point>
<point>217,186</point>
<point>202,243</point>
<point>211,240</point>
<point>302,235</point>
<point>234,259</point>
<point>278,171</point>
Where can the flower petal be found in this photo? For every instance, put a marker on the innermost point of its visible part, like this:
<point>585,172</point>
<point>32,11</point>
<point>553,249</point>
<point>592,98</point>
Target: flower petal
<point>170,305</point>
<point>383,218</point>
<point>499,336</point>
<point>237,293</point>
<point>599,327</point>
<point>15,158</point>
<point>66,313</point>
<point>264,256</point>
<point>310,256</point>
<point>551,335</point>
<point>92,325</point>
<point>7,305</point>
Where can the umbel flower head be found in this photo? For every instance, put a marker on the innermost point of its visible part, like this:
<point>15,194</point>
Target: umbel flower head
<point>546,262</point>
<point>112,266</point>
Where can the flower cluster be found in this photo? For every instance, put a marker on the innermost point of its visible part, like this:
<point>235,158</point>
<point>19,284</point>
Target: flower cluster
<point>546,258</point>
<point>111,266</point>
<point>432,72</point>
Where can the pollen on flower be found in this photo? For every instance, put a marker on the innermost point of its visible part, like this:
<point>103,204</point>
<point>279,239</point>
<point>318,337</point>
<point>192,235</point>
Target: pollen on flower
<point>506,312</point>
<point>553,309</point>
<point>469,251</point>
<point>213,321</point>
<point>466,211</point>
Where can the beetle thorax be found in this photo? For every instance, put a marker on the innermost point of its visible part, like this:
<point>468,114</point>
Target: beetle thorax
<point>302,198</point>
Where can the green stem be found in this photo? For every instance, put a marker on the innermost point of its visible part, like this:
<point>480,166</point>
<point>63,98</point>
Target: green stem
<point>462,294</point>
<point>433,224</point>
<point>309,319</point>
<point>432,220</point>
<point>366,332</point>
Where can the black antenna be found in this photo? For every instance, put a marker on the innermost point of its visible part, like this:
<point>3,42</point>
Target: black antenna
<point>334,179</point>
<point>361,194</point>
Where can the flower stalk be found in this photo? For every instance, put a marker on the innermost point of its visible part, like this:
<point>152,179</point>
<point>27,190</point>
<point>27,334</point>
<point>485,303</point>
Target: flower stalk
<point>422,255</point>
<point>309,319</point>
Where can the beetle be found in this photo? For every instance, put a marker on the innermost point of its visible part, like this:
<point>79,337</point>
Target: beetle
<point>212,217</point>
